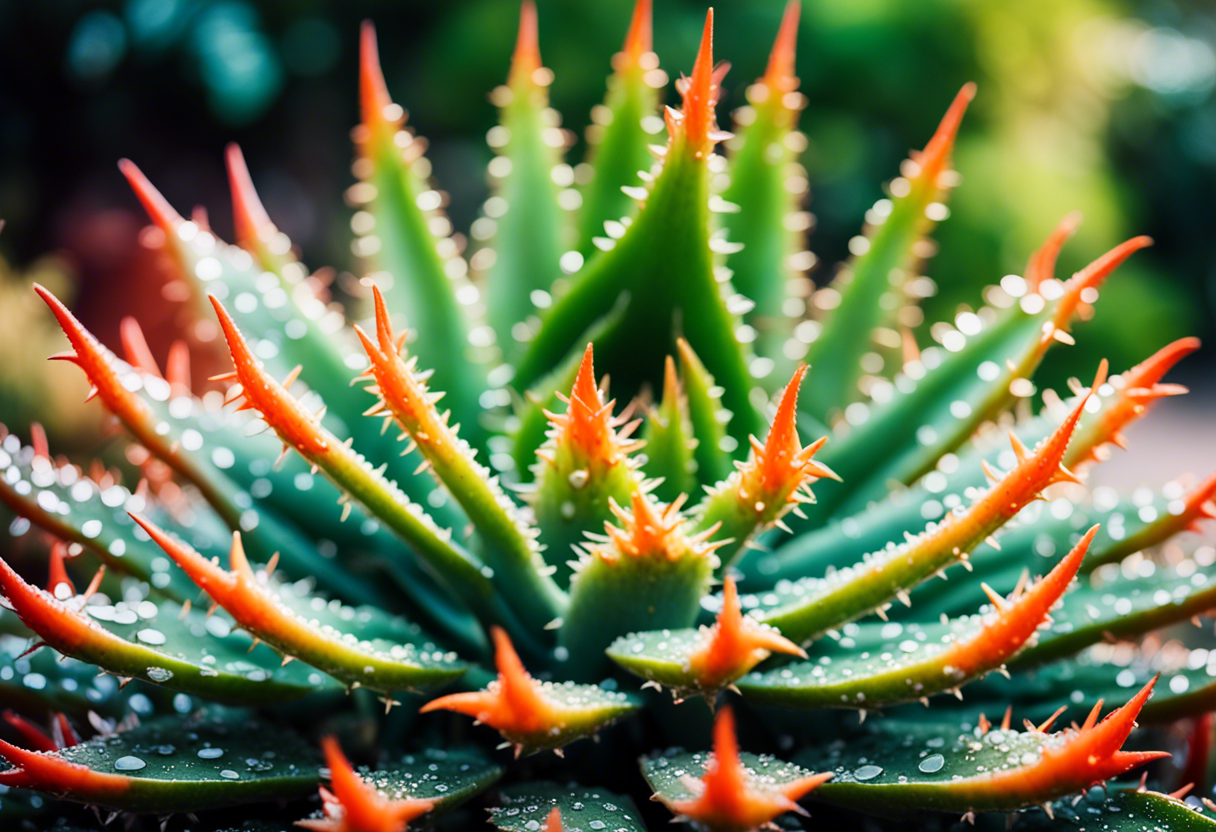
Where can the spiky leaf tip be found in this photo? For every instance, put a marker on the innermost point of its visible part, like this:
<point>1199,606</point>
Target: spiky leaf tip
<point>534,716</point>
<point>727,799</point>
<point>695,125</point>
<point>353,805</point>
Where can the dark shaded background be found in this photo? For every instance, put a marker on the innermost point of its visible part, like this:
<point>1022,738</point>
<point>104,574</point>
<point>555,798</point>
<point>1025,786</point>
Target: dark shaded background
<point>1092,104</point>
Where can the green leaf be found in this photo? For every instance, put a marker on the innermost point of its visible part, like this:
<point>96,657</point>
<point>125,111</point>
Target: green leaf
<point>1124,810</point>
<point>45,679</point>
<point>668,774</point>
<point>886,259</point>
<point>176,764</point>
<point>670,237</point>
<point>161,643</point>
<point>526,807</point>
<point>530,228</point>
<point>670,441</point>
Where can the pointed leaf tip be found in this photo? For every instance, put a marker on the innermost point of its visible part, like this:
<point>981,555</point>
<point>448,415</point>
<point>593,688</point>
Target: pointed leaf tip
<point>936,155</point>
<point>157,207</point>
<point>553,823</point>
<point>374,99</point>
<point>640,39</point>
<point>1092,276</point>
<point>353,804</point>
<point>779,76</point>
<point>727,799</point>
<point>700,93</point>
<point>526,59</point>
<point>249,218</point>
<point>1042,265</point>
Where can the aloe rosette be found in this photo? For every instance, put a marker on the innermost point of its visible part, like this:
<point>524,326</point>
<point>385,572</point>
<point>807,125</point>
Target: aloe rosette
<point>733,550</point>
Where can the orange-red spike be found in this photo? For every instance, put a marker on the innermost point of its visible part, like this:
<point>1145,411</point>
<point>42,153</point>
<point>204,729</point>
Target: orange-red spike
<point>156,206</point>
<point>65,736</point>
<point>177,368</point>
<point>353,805</point>
<point>553,823</point>
<point>1042,265</point>
<point>58,625</point>
<point>1013,626</point>
<point>783,465</point>
<point>34,736</point>
<point>512,704</point>
<point>735,644</point>
<point>38,441</point>
<point>52,773</point>
<point>249,218</point>
<point>652,531</point>
<point>57,573</point>
<point>91,357</point>
<point>135,347</point>
<point>640,39</point>
<point>779,77</point>
<point>727,799</point>
<point>588,428</point>
<point>936,156</point>
<point>374,100</point>
<point>526,59</point>
<point>1152,369</point>
<point>701,93</point>
<point>293,423</point>
<point>212,578</point>
<point>1092,276</point>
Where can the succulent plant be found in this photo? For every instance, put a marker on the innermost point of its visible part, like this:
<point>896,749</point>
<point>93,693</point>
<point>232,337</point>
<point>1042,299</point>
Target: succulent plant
<point>754,535</point>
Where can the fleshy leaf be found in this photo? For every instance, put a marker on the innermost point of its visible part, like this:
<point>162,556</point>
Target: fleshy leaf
<point>669,237</point>
<point>817,605</point>
<point>529,225</point>
<point>357,659</point>
<point>535,716</point>
<point>175,764</point>
<point>508,544</point>
<point>670,441</point>
<point>865,680</point>
<point>621,132</point>
<point>161,643</point>
<point>648,574</point>
<point>884,258</point>
<point>406,238</point>
<point>998,769</point>
<point>530,806</point>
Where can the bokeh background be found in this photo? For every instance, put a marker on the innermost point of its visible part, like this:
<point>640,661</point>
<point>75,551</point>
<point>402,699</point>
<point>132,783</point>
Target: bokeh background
<point>1098,105</point>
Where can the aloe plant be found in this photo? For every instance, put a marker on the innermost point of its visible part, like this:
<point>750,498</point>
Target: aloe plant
<point>486,533</point>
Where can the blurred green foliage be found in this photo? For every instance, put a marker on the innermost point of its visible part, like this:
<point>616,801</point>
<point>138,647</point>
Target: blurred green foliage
<point>1097,105</point>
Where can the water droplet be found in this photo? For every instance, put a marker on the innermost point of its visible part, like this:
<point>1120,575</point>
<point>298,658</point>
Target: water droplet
<point>229,774</point>
<point>210,753</point>
<point>932,763</point>
<point>159,674</point>
<point>128,763</point>
<point>867,773</point>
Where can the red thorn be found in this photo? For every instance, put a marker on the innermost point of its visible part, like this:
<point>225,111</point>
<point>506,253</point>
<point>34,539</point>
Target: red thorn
<point>513,704</point>
<point>65,735</point>
<point>374,99</point>
<point>34,736</point>
<point>177,368</point>
<point>526,59</point>
<point>1152,369</point>
<point>38,440</point>
<point>135,347</point>
<point>249,218</point>
<point>156,206</point>
<point>210,577</point>
<point>735,644</point>
<point>1042,265</point>
<point>700,93</point>
<point>650,531</point>
<point>57,573</point>
<point>640,39</point>
<point>52,773</point>
<point>354,805</point>
<point>728,800</point>
<point>1092,276</point>
<point>936,155</point>
<point>62,628</point>
<point>292,422</point>
<point>779,76</point>
<point>553,823</point>
<point>1002,638</point>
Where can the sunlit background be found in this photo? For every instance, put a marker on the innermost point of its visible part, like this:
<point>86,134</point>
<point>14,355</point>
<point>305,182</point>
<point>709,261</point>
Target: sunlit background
<point>1102,106</point>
